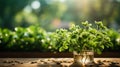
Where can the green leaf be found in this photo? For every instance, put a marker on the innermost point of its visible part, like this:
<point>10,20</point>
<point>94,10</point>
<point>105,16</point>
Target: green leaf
<point>102,46</point>
<point>98,51</point>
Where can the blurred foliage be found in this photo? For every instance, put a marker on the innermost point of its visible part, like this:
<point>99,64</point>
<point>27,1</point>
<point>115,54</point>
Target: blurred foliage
<point>35,38</point>
<point>8,9</point>
<point>52,14</point>
<point>23,39</point>
<point>115,39</point>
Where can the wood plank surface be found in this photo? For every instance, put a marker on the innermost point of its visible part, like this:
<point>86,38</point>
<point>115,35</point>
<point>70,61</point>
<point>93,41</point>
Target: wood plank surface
<point>56,62</point>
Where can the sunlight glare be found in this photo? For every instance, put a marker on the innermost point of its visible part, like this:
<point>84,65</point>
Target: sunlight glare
<point>35,4</point>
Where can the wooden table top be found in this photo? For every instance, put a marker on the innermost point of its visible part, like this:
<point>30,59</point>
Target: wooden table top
<point>55,62</point>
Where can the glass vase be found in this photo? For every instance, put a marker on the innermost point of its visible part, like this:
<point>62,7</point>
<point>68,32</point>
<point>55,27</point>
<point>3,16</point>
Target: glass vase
<point>84,57</point>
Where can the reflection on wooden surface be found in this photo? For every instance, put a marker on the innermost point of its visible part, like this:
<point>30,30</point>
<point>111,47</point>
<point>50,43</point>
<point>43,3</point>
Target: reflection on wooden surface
<point>56,62</point>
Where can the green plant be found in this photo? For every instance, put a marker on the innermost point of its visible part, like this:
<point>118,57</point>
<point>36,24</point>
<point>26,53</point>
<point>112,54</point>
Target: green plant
<point>78,38</point>
<point>23,39</point>
<point>89,37</point>
<point>115,39</point>
<point>58,40</point>
<point>5,38</point>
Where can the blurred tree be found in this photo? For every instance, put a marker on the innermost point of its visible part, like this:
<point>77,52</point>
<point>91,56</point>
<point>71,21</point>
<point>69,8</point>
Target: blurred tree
<point>104,10</point>
<point>107,11</point>
<point>51,12</point>
<point>118,13</point>
<point>8,9</point>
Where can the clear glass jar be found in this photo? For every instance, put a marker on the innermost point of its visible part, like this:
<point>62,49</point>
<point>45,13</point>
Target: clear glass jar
<point>84,57</point>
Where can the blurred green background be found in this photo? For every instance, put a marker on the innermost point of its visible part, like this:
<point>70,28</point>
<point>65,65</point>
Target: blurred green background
<point>53,14</point>
<point>24,23</point>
